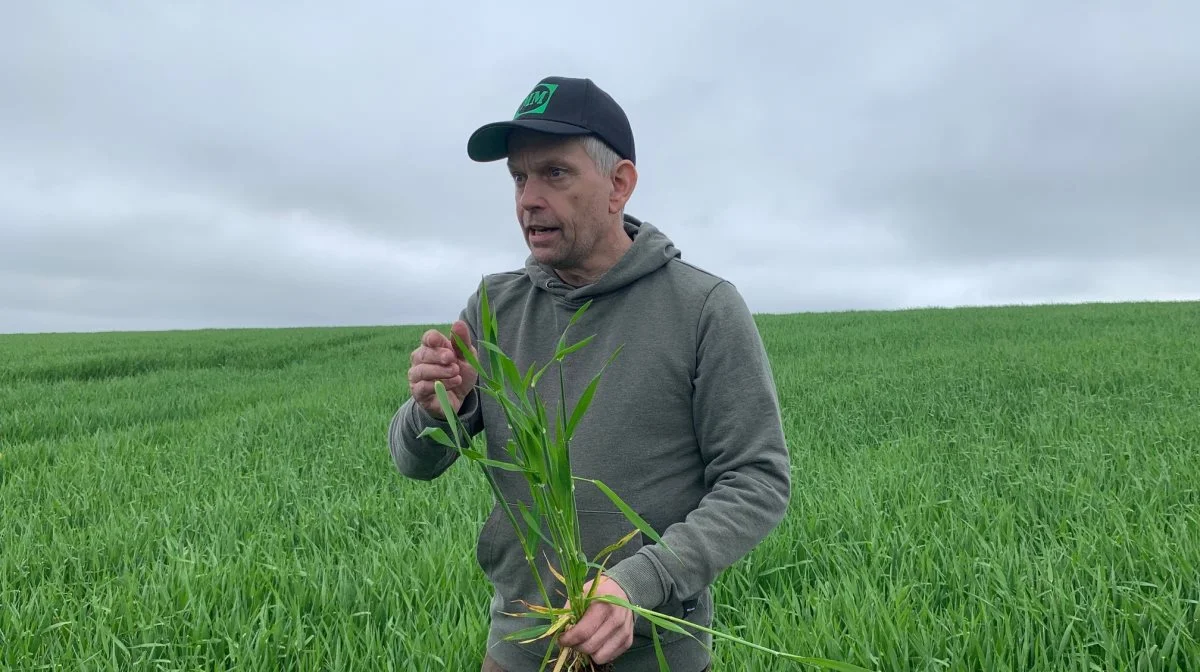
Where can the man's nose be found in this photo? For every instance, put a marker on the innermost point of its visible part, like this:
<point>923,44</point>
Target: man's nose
<point>531,196</point>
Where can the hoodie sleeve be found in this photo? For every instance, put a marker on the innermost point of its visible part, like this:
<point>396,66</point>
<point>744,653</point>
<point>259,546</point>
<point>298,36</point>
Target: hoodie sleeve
<point>425,459</point>
<point>740,434</point>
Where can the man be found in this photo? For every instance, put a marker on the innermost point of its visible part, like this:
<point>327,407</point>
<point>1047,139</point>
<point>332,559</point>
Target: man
<point>685,425</point>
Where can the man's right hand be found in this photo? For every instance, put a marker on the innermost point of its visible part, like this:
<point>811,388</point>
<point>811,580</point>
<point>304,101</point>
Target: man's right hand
<point>438,358</point>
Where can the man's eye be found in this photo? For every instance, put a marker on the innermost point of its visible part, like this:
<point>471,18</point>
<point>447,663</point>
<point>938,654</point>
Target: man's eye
<point>557,172</point>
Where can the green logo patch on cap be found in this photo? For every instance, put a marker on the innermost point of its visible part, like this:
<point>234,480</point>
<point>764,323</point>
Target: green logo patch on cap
<point>537,100</point>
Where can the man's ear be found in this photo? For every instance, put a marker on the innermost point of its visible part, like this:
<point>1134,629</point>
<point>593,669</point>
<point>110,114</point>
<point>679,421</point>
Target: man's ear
<point>624,181</point>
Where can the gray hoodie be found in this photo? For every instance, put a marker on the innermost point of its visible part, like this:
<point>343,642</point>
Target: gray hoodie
<point>685,427</point>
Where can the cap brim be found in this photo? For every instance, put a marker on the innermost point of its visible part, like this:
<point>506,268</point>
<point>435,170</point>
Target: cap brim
<point>490,141</point>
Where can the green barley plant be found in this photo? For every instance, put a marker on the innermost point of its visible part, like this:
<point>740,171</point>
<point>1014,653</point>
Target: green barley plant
<point>543,458</point>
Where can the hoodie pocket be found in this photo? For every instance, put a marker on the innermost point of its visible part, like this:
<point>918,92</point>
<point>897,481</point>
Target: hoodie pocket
<point>484,553</point>
<point>600,529</point>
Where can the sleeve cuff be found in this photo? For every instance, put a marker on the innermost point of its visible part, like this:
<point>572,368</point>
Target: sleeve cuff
<point>638,577</point>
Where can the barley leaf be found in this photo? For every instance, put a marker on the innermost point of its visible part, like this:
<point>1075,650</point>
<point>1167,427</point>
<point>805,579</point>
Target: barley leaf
<point>472,360</point>
<point>508,369</point>
<point>438,435</point>
<point>523,427</point>
<point>492,347</point>
<point>560,447</point>
<point>513,451</point>
<point>653,616</point>
<point>669,622</point>
<point>658,651</point>
<point>563,474</point>
<point>538,376</point>
<point>581,407</point>
<point>535,612</point>
<point>555,627</point>
<point>478,457</point>
<point>557,574</point>
<point>579,313</point>
<point>614,546</point>
<point>488,320</point>
<point>574,318</point>
<point>533,523</point>
<point>534,632</point>
<point>448,410</point>
<point>487,317</point>
<point>527,380</point>
<point>561,354</point>
<point>585,400</point>
<point>540,440</point>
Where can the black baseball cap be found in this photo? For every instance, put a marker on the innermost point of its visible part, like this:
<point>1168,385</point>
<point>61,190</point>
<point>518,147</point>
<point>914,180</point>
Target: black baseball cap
<point>560,106</point>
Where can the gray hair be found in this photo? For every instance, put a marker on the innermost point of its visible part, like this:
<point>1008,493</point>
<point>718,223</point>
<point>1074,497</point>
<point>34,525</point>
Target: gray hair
<point>601,154</point>
<point>605,157</point>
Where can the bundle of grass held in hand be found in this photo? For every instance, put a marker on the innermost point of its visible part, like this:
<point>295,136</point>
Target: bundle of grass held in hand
<point>540,452</point>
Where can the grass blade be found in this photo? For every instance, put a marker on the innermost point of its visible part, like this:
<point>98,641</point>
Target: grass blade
<point>484,375</point>
<point>553,629</point>
<point>437,435</point>
<point>562,354</point>
<point>670,623</point>
<point>529,634</point>
<point>562,339</point>
<point>527,380</point>
<point>448,410</point>
<point>658,651</point>
<point>532,522</point>
<point>489,328</point>
<point>614,546</point>
<point>510,377</point>
<point>507,466</point>
<point>585,399</point>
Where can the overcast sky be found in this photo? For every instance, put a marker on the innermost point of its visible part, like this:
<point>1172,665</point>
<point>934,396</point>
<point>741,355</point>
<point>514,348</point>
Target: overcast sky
<point>182,164</point>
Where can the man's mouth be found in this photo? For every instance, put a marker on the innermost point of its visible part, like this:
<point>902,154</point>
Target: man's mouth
<point>541,232</point>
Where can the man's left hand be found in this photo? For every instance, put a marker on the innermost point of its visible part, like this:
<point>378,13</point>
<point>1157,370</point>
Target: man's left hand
<point>606,630</point>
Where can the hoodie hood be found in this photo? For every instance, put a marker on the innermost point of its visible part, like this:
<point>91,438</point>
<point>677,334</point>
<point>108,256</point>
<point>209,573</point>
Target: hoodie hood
<point>651,250</point>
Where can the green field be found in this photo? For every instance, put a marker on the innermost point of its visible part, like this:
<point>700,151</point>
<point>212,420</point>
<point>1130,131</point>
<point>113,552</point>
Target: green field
<point>974,489</point>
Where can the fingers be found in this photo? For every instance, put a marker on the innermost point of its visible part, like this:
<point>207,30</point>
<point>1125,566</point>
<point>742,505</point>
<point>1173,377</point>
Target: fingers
<point>616,643</point>
<point>438,359</point>
<point>437,348</point>
<point>433,372</point>
<point>605,638</point>
<point>461,330</point>
<point>435,339</point>
<point>430,366</point>
<point>426,395</point>
<point>421,378</point>
<point>581,633</point>
<point>428,355</point>
<point>602,634</point>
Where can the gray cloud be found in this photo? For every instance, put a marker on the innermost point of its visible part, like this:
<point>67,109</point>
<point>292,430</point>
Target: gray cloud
<point>234,164</point>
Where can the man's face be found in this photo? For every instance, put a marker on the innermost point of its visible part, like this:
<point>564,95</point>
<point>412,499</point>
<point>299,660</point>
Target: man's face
<point>561,199</point>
